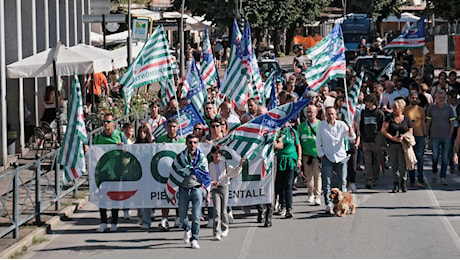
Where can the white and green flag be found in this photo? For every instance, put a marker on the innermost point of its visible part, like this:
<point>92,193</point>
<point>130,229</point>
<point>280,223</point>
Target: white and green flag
<point>153,64</point>
<point>72,156</point>
<point>349,106</point>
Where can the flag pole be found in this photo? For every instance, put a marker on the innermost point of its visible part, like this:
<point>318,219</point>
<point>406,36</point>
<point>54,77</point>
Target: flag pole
<point>346,102</point>
<point>177,110</point>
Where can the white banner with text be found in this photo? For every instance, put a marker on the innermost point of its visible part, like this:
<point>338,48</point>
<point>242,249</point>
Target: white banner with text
<point>134,176</point>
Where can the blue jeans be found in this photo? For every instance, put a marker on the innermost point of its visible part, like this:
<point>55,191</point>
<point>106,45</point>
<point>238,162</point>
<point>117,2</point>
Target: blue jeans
<point>419,150</point>
<point>328,168</point>
<point>195,195</point>
<point>440,146</point>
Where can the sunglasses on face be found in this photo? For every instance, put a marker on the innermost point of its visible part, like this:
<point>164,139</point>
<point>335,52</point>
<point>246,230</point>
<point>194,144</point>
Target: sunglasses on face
<point>192,142</point>
<point>108,121</point>
<point>215,126</point>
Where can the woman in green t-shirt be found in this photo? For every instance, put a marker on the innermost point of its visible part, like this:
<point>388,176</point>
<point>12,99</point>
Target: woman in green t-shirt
<point>289,155</point>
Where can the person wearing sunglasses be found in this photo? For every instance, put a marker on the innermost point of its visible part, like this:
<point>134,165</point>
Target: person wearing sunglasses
<point>215,132</point>
<point>200,131</point>
<point>189,177</point>
<point>110,135</point>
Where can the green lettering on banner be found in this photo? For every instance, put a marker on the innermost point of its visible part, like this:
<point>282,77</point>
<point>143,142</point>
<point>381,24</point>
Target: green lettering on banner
<point>154,165</point>
<point>245,176</point>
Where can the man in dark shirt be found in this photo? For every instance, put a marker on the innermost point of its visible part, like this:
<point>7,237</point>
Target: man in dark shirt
<point>369,126</point>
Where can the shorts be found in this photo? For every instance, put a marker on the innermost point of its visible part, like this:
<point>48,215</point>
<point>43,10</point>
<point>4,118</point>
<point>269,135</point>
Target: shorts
<point>90,97</point>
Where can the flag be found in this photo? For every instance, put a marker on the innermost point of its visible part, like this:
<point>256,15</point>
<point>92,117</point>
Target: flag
<point>414,37</point>
<point>274,102</point>
<point>253,70</point>
<point>167,91</point>
<point>266,89</point>
<point>388,69</point>
<point>328,59</point>
<point>349,109</point>
<point>189,117</point>
<point>153,64</point>
<point>251,137</point>
<point>235,83</point>
<point>196,88</point>
<point>71,155</point>
<point>208,67</point>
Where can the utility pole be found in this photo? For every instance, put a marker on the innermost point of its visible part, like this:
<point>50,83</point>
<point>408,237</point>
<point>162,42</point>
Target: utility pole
<point>128,40</point>
<point>181,40</point>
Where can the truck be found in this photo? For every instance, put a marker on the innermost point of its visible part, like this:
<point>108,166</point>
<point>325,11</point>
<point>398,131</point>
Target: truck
<point>354,28</point>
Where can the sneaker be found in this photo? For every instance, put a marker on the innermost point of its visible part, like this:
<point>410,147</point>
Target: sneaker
<point>126,214</point>
<point>310,199</point>
<point>277,212</point>
<point>421,184</point>
<point>329,209</point>
<point>217,237</point>
<point>288,214</point>
<point>187,236</point>
<point>178,223</point>
<point>210,223</point>
<point>318,201</point>
<point>283,212</point>
<point>102,228</point>
<point>351,187</point>
<point>145,226</point>
<point>164,225</point>
<point>443,181</point>
<point>230,217</point>
<point>225,233</point>
<point>195,244</point>
<point>113,228</point>
<point>433,177</point>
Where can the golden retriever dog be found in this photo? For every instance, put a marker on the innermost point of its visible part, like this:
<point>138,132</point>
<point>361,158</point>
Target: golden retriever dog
<point>343,202</point>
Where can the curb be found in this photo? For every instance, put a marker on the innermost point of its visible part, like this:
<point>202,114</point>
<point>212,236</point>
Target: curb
<point>46,229</point>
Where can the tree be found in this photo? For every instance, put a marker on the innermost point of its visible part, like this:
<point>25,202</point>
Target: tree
<point>265,16</point>
<point>446,9</point>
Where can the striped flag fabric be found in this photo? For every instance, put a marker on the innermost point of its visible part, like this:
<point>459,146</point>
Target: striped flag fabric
<point>72,156</point>
<point>235,82</point>
<point>274,102</point>
<point>413,37</point>
<point>267,89</point>
<point>153,64</point>
<point>389,68</point>
<point>196,88</point>
<point>328,59</point>
<point>253,70</point>
<point>168,90</point>
<point>208,67</point>
<point>189,117</point>
<point>249,138</point>
<point>349,107</point>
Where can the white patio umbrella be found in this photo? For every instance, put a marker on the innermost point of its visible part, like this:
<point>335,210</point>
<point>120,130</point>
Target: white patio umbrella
<point>55,62</point>
<point>67,63</point>
<point>102,58</point>
<point>120,55</point>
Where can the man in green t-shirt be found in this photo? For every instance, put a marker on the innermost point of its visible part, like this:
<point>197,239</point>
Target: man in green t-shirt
<point>110,135</point>
<point>170,137</point>
<point>289,156</point>
<point>311,164</point>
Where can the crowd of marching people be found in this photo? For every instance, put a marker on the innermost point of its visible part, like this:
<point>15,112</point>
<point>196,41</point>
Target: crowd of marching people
<point>397,116</point>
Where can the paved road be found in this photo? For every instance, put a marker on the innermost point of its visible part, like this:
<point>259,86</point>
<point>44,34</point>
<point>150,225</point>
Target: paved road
<point>422,223</point>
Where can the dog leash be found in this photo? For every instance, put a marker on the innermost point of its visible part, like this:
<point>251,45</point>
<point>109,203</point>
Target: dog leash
<point>308,182</point>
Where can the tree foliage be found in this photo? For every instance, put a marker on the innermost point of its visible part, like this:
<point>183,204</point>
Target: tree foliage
<point>379,9</point>
<point>446,9</point>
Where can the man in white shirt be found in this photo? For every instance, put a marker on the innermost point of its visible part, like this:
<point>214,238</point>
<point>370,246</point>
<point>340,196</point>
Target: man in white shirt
<point>226,113</point>
<point>390,91</point>
<point>330,143</point>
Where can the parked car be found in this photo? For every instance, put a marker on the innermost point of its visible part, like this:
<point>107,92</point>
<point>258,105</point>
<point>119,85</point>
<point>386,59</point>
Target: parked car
<point>269,65</point>
<point>369,61</point>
